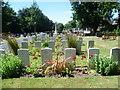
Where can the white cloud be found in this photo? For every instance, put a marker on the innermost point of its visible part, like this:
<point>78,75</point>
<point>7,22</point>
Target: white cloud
<point>68,12</point>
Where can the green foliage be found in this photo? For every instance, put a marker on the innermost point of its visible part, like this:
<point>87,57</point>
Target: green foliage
<point>11,66</point>
<point>10,22</point>
<point>71,24</point>
<point>33,20</point>
<point>71,41</point>
<point>35,51</point>
<point>60,27</point>
<point>13,44</point>
<point>91,15</point>
<point>115,31</point>
<point>45,44</point>
<point>106,66</point>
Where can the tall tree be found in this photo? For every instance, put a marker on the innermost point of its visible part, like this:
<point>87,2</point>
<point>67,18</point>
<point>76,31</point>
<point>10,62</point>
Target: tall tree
<point>10,22</point>
<point>60,27</point>
<point>33,20</point>
<point>92,14</point>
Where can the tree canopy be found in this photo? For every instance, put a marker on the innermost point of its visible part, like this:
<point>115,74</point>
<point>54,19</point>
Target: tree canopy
<point>27,20</point>
<point>93,14</point>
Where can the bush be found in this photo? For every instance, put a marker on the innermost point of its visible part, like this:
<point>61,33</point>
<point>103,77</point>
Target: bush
<point>71,42</point>
<point>106,66</point>
<point>45,44</point>
<point>11,66</point>
<point>13,44</point>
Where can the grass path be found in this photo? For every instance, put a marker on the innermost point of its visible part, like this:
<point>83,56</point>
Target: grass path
<point>103,45</point>
<point>83,82</point>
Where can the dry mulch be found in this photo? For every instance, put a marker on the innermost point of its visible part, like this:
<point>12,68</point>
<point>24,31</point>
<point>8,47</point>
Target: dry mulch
<point>78,72</point>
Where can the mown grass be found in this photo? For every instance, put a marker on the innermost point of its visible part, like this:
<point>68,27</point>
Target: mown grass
<point>82,82</point>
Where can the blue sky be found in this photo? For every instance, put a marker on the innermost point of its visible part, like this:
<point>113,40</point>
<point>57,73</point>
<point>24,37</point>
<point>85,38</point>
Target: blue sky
<point>55,10</point>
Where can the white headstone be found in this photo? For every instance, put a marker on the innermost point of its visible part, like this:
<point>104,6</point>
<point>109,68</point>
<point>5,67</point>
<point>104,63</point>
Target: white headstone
<point>115,54</point>
<point>38,44</point>
<point>78,47</point>
<point>94,52</point>
<point>80,39</point>
<point>90,43</point>
<point>64,44</point>
<point>23,54</point>
<point>38,39</point>
<point>25,39</point>
<point>64,37</point>
<point>24,44</point>
<point>46,54</point>
<point>33,38</point>
<point>70,52</point>
<point>51,44</point>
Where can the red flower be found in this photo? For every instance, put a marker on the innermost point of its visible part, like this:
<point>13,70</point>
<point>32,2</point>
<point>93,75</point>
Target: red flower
<point>91,55</point>
<point>73,58</point>
<point>56,46</point>
<point>83,56</point>
<point>35,58</point>
<point>28,65</point>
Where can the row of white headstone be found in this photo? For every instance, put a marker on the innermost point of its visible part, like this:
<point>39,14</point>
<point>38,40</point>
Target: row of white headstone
<point>46,54</point>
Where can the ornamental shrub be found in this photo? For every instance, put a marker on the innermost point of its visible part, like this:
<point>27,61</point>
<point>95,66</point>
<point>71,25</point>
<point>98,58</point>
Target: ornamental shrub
<point>71,42</point>
<point>106,66</point>
<point>11,66</point>
<point>45,44</point>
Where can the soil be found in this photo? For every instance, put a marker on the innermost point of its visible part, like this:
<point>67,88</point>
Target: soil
<point>78,72</point>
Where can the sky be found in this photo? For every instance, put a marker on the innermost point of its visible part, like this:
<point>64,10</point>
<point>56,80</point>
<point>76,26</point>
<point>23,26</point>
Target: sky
<point>55,10</point>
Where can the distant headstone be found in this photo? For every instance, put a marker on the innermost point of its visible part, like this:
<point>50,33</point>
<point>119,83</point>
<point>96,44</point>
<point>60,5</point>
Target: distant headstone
<point>33,38</point>
<point>64,44</point>
<point>70,52</point>
<point>46,54</point>
<point>90,43</point>
<point>24,44</point>
<point>25,39</point>
<point>78,47</point>
<point>38,39</point>
<point>51,44</point>
<point>23,54</point>
<point>38,44</point>
<point>64,37</point>
<point>115,54</point>
<point>80,39</point>
<point>92,54</point>
<point>2,51</point>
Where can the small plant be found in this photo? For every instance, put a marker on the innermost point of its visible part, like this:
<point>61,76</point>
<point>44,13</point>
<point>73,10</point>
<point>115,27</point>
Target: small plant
<point>58,67</point>
<point>45,44</point>
<point>35,51</point>
<point>106,66</point>
<point>11,66</point>
<point>33,67</point>
<point>71,42</point>
<point>13,44</point>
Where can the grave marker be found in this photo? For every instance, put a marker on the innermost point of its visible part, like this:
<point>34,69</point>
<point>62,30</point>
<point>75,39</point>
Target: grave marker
<point>46,54</point>
<point>24,44</point>
<point>51,44</point>
<point>23,54</point>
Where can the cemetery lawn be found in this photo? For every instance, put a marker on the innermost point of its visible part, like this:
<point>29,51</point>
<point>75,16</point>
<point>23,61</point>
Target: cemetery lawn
<point>82,82</point>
